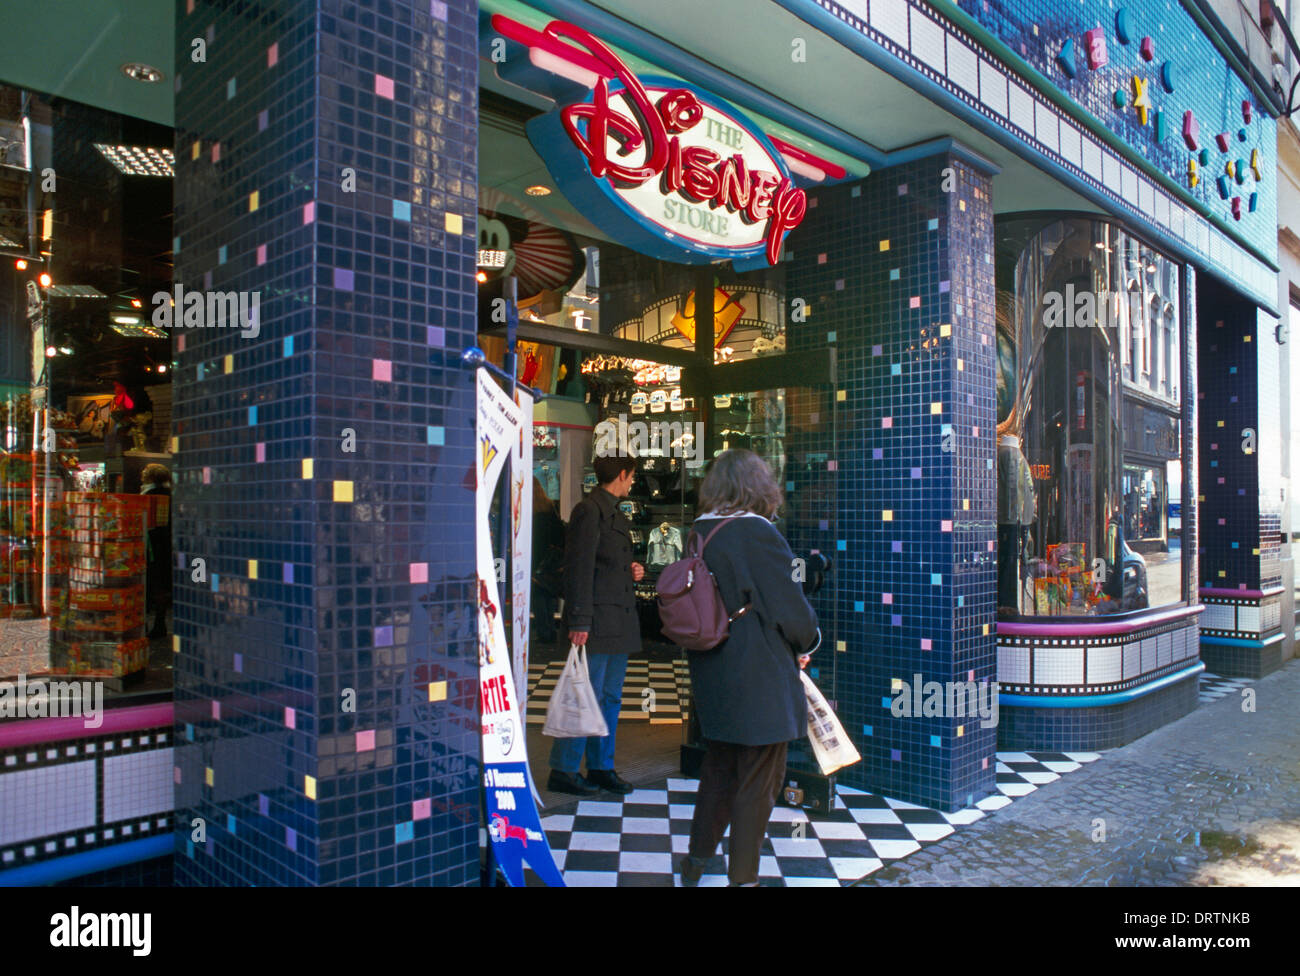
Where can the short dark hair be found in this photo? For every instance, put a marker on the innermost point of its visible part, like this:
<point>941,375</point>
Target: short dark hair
<point>740,481</point>
<point>608,467</point>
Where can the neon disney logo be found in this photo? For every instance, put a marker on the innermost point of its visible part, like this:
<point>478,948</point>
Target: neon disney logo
<point>665,167</point>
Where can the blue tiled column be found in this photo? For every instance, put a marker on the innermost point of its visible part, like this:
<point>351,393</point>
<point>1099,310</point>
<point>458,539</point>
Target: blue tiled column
<point>1240,484</point>
<point>897,274</point>
<point>326,680</point>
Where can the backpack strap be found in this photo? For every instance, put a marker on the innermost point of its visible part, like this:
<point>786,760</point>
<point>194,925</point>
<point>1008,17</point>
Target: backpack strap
<point>699,552</point>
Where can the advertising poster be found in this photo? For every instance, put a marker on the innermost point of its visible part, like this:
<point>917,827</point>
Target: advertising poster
<point>521,541</point>
<point>514,828</point>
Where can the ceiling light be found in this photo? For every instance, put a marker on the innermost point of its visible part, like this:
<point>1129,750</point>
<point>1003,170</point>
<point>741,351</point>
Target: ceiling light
<point>50,351</point>
<point>482,277</point>
<point>138,160</point>
<point>65,350</point>
<point>136,303</point>
<point>139,71</point>
<point>126,319</point>
<point>538,190</point>
<point>162,367</point>
<point>20,264</point>
<point>45,280</point>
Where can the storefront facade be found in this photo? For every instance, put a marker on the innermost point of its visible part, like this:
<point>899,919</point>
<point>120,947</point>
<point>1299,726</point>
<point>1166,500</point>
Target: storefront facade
<point>994,292</point>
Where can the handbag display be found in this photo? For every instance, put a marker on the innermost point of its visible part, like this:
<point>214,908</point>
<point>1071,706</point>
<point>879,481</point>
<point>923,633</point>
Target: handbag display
<point>574,711</point>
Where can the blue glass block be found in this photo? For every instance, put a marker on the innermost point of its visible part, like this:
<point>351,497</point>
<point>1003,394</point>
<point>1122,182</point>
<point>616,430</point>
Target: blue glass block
<point>230,823</point>
<point>841,544</point>
<point>896,369</point>
<point>189,848</point>
<point>176,245</point>
<point>894,274</point>
<point>216,587</point>
<point>886,702</point>
<point>288,345</point>
<point>222,251</point>
<point>252,416</point>
<point>813,672</point>
<point>189,732</point>
<point>932,224</point>
<point>404,832</point>
<point>961,601</point>
<point>867,730</point>
<point>1236,545</point>
<point>402,210</point>
<point>436,435</point>
<point>201,370</point>
<point>858,606</point>
<point>830,336</point>
<point>789,486</point>
<point>935,741</point>
<point>936,579</point>
<point>230,89</point>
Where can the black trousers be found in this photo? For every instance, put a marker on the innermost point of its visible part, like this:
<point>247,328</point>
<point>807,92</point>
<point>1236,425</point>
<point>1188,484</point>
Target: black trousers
<point>738,788</point>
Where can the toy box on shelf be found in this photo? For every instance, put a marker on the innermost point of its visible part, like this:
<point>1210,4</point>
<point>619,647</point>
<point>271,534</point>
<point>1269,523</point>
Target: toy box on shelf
<point>100,629</point>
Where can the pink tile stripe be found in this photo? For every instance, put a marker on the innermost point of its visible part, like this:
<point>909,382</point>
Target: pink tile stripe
<point>35,731</point>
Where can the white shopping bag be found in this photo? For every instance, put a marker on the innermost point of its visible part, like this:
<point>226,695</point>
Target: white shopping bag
<point>574,710</point>
<point>830,745</point>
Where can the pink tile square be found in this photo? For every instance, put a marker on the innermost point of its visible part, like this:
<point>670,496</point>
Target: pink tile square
<point>887,599</point>
<point>925,644</point>
<point>1223,521</point>
<point>207,476</point>
<point>176,773</point>
<point>261,451</point>
<point>382,370</point>
<point>990,545</point>
<point>309,212</point>
<point>821,259</point>
<point>261,254</point>
<point>945,525</point>
<point>887,422</point>
<point>366,741</point>
<point>422,809</point>
<point>914,301</point>
<point>832,465</point>
<point>289,718</point>
<point>383,86</point>
<point>180,342</point>
<point>975,432</point>
<point>984,763</point>
<point>273,54</point>
<point>216,152</point>
<point>419,572</point>
<point>216,709</point>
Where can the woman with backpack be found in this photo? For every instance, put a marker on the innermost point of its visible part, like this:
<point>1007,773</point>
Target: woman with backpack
<point>748,696</point>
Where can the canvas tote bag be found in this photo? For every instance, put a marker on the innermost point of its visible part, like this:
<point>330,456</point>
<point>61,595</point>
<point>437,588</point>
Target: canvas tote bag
<point>574,711</point>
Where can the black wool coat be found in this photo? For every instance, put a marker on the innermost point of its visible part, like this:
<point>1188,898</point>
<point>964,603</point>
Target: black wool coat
<point>747,689</point>
<point>598,594</point>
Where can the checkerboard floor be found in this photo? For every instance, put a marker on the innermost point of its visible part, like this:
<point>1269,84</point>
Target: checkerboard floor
<point>653,691</point>
<point>634,840</point>
<point>1213,687</point>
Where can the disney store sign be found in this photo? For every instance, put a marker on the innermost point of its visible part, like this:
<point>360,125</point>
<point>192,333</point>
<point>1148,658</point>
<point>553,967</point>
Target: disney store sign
<point>658,164</point>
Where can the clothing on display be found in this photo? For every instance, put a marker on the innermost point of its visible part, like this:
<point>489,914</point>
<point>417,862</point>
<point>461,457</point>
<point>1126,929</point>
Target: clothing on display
<point>549,476</point>
<point>665,545</point>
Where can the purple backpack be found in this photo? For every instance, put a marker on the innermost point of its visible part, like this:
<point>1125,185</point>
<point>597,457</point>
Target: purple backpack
<point>690,606</point>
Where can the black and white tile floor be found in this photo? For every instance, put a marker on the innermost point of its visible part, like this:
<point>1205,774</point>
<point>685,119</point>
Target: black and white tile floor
<point>634,840</point>
<point>1213,687</point>
<point>653,691</point>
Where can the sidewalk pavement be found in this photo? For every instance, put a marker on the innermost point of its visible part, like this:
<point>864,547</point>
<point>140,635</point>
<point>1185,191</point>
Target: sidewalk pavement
<point>1212,799</point>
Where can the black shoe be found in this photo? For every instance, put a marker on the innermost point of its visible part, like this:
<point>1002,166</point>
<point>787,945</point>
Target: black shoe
<point>609,780</point>
<point>559,782</point>
<point>691,870</point>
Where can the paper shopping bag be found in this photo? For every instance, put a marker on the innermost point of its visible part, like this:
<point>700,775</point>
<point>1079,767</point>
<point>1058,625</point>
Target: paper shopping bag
<point>830,745</point>
<point>574,710</point>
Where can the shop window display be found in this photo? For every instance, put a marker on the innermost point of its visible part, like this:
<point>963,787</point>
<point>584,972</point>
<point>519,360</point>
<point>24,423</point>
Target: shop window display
<point>1088,413</point>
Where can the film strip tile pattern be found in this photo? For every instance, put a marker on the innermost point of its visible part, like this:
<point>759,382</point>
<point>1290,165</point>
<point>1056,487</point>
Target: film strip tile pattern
<point>653,691</point>
<point>68,797</point>
<point>636,840</point>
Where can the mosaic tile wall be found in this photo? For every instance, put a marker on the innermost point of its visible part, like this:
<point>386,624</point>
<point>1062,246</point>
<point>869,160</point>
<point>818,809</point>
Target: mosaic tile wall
<point>1240,505</point>
<point>1052,35</point>
<point>898,276</point>
<point>326,681</point>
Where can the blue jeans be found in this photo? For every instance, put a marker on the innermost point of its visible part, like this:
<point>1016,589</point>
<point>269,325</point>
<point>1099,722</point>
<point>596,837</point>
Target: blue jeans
<point>607,672</point>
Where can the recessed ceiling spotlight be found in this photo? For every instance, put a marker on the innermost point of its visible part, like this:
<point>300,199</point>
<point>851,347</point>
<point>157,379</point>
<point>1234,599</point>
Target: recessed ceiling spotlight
<point>139,71</point>
<point>538,190</point>
<point>138,160</point>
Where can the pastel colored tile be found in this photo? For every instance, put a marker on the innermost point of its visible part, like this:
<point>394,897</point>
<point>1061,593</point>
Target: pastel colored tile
<point>402,210</point>
<point>344,279</point>
<point>309,211</point>
<point>366,741</point>
<point>343,491</point>
<point>383,636</point>
<point>208,775</point>
<point>437,691</point>
<point>382,370</point>
<point>252,569</point>
<point>422,809</point>
<point>254,200</point>
<point>261,254</point>
<point>309,787</point>
<point>307,467</point>
<point>436,435</point>
<point>290,718</point>
<point>419,572</point>
<point>259,452</point>
<point>383,86</point>
<point>273,54</point>
<point>454,223</point>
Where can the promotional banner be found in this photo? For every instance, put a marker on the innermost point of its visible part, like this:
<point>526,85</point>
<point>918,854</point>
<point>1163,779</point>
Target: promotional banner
<point>514,828</point>
<point>521,541</point>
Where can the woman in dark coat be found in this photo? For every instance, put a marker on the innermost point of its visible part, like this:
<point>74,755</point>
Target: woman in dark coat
<point>747,692</point>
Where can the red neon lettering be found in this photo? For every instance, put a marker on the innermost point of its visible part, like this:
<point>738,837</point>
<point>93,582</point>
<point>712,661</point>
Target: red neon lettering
<point>701,182</point>
<point>736,185</point>
<point>788,209</point>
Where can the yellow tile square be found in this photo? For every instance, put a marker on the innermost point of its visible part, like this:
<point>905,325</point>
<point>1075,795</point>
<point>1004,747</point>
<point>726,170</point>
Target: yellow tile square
<point>228,364</point>
<point>253,200</point>
<point>936,408</point>
<point>343,491</point>
<point>895,684</point>
<point>1218,423</point>
<point>455,224</point>
<point>1222,574</point>
<point>307,467</point>
<point>887,515</point>
<point>195,150</point>
<point>309,786</point>
<point>252,569</point>
<point>986,629</point>
<point>961,204</point>
<point>841,395</point>
<point>176,644</point>
<point>965,504</point>
<point>841,646</point>
<point>1246,338</point>
<point>207,775</point>
<point>945,331</point>
<point>884,245</point>
<point>176,445</point>
<point>961,365</point>
<point>1254,552</point>
<point>437,691</point>
<point>961,730</point>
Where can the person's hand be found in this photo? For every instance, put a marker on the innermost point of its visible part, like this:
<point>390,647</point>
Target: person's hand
<point>638,571</point>
<point>578,637</point>
<point>803,660</point>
